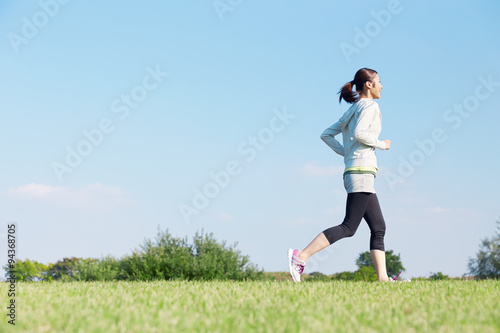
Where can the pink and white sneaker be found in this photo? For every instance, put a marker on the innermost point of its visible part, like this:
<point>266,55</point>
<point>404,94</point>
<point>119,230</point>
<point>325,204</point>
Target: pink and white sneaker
<point>295,264</point>
<point>398,279</point>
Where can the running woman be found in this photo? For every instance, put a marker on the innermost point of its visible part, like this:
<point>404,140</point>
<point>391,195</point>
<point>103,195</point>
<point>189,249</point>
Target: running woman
<point>360,127</point>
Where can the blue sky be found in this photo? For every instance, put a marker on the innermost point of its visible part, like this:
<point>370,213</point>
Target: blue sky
<point>116,116</point>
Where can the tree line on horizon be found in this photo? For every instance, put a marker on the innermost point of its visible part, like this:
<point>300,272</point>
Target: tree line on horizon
<point>168,257</point>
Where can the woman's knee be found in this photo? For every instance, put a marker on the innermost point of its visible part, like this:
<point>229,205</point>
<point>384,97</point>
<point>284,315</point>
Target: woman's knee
<point>350,232</point>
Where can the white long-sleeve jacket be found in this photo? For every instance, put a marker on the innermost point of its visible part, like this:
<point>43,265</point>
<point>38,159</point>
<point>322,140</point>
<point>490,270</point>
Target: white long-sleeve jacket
<point>360,126</point>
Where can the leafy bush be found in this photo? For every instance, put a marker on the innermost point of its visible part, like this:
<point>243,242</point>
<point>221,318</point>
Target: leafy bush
<point>166,258</point>
<point>364,273</point>
<point>348,276</point>
<point>438,276</point>
<point>317,276</point>
<point>105,269</point>
<point>169,257</point>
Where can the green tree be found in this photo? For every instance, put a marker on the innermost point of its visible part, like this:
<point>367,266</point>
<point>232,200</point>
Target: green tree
<point>366,273</point>
<point>27,270</point>
<point>392,262</point>
<point>62,269</point>
<point>487,262</point>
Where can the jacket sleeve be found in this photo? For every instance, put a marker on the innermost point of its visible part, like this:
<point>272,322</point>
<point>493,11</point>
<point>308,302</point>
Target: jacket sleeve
<point>328,136</point>
<point>363,123</point>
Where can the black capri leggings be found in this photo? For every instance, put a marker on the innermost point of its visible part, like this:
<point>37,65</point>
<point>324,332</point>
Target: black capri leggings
<point>360,205</point>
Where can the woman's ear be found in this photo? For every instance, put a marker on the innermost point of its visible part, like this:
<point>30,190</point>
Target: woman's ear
<point>368,84</point>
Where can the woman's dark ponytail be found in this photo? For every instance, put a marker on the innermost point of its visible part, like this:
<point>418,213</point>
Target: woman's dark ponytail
<point>347,92</point>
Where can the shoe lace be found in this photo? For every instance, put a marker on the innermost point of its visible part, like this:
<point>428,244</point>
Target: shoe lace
<point>299,266</point>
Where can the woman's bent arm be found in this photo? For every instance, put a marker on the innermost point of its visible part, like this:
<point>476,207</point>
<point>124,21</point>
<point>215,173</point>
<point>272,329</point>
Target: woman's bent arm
<point>328,136</point>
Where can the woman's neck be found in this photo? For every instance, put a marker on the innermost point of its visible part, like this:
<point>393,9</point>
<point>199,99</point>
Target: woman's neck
<point>366,94</point>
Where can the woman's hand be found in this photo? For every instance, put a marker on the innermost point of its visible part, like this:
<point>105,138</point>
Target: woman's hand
<point>387,144</point>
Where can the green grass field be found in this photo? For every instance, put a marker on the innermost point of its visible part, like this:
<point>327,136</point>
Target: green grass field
<point>181,306</point>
